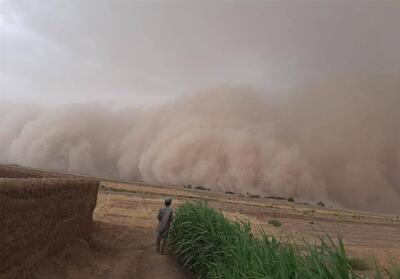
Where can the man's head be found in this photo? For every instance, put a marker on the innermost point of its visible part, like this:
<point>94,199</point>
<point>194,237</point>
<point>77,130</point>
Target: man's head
<point>168,201</point>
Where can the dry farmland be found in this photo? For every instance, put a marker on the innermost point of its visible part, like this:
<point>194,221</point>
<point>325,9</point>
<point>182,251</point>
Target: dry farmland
<point>122,241</point>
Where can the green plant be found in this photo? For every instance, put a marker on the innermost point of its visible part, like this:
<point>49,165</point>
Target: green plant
<point>212,246</point>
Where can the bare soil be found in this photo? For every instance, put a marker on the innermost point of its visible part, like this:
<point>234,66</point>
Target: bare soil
<point>113,251</point>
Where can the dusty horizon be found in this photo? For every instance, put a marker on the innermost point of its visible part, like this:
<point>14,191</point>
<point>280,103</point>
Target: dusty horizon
<point>338,142</point>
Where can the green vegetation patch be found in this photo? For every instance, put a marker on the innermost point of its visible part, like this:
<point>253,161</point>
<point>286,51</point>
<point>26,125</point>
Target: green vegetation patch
<point>212,246</point>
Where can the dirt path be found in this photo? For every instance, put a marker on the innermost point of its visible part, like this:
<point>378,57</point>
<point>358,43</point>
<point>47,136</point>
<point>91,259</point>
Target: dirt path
<point>114,251</point>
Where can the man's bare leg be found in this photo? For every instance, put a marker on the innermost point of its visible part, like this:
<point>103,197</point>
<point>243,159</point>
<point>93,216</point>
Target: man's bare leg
<point>158,244</point>
<point>164,240</point>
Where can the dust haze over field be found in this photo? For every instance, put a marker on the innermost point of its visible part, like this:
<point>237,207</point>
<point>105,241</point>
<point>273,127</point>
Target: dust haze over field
<point>337,143</point>
<point>291,98</point>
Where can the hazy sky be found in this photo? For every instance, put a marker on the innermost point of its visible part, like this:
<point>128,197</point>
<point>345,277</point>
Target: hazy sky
<point>146,52</point>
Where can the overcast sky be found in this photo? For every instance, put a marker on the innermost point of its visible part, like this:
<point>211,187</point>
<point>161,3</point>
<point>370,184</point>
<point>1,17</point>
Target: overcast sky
<point>147,52</point>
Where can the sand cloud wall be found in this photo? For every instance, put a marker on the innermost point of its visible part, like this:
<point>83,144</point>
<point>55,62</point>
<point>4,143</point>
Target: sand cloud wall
<point>338,141</point>
<point>39,216</point>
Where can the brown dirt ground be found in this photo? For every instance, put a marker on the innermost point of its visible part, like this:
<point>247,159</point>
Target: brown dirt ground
<point>122,244</point>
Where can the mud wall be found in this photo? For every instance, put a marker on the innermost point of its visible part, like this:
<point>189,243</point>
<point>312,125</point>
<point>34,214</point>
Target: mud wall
<point>39,216</point>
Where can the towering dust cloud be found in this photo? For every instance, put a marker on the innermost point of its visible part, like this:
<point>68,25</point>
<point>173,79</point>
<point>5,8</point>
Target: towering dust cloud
<point>331,142</point>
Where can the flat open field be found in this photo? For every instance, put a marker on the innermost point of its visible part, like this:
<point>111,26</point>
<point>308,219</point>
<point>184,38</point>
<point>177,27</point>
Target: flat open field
<point>122,245</point>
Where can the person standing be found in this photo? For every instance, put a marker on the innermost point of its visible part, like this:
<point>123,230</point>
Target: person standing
<point>165,218</point>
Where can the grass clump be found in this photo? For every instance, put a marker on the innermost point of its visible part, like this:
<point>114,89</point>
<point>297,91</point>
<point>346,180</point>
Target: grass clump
<point>393,272</point>
<point>212,246</point>
<point>359,264</point>
<point>275,222</point>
